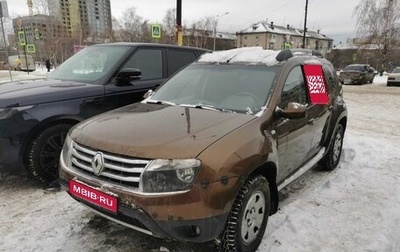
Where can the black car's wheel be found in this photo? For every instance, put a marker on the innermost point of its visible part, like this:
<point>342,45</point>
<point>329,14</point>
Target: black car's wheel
<point>44,151</point>
<point>248,217</point>
<point>332,157</point>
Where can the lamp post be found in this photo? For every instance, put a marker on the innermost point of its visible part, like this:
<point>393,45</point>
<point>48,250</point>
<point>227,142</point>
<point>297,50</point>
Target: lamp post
<point>215,27</point>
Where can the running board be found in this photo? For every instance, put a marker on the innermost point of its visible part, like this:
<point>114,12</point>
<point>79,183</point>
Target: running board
<point>303,169</point>
<point>120,222</point>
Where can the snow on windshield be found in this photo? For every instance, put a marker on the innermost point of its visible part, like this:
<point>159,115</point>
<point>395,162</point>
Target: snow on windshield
<point>246,54</point>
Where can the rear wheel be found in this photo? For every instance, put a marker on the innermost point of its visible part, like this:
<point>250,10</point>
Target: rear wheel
<point>332,157</point>
<point>248,217</point>
<point>44,151</point>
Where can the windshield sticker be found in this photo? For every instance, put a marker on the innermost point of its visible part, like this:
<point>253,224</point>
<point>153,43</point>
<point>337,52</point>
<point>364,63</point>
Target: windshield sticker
<point>316,84</point>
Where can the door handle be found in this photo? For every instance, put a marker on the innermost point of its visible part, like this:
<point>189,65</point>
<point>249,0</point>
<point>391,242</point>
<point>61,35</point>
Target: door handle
<point>311,121</point>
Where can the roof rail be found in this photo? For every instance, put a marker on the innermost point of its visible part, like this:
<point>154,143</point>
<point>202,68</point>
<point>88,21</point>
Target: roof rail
<point>289,53</point>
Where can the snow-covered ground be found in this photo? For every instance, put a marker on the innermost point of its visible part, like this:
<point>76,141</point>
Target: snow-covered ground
<point>353,208</point>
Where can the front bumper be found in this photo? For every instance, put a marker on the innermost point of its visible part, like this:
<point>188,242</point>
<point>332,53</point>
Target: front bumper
<point>198,215</point>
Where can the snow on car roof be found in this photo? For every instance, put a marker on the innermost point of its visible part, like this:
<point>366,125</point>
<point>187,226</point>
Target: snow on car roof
<point>256,55</point>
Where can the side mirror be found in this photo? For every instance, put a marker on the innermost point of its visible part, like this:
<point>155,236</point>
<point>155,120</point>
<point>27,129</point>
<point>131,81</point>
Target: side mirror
<point>126,75</point>
<point>294,110</point>
<point>148,94</point>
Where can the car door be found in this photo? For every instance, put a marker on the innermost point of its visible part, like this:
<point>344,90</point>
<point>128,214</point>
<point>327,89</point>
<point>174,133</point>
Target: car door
<point>294,136</point>
<point>150,61</point>
<point>320,113</point>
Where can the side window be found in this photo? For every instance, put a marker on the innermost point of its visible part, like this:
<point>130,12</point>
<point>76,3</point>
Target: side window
<point>177,59</point>
<point>149,61</point>
<point>331,77</point>
<point>294,89</point>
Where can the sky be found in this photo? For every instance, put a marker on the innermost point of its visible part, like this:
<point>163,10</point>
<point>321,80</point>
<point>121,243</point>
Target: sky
<point>353,208</point>
<point>333,18</point>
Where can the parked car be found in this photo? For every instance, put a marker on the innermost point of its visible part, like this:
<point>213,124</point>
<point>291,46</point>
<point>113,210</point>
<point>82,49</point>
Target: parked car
<point>394,77</point>
<point>357,74</point>
<point>36,115</point>
<point>204,156</point>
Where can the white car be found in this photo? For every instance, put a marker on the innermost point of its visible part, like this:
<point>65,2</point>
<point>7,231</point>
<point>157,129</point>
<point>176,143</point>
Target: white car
<point>394,77</point>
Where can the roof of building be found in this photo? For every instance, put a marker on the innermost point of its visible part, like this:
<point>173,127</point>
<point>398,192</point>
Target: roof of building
<point>264,27</point>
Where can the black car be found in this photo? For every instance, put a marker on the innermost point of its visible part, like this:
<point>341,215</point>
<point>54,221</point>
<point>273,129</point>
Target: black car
<point>357,74</point>
<point>36,115</point>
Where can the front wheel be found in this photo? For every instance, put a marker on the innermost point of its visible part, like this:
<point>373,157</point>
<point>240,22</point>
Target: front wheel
<point>332,157</point>
<point>44,151</point>
<point>248,217</point>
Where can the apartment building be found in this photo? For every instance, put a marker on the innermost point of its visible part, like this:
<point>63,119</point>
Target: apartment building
<point>275,37</point>
<point>89,18</point>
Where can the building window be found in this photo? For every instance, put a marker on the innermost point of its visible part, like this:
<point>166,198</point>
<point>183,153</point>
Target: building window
<point>257,37</point>
<point>245,37</point>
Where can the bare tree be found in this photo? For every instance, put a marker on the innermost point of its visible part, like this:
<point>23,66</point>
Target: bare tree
<point>40,7</point>
<point>200,33</point>
<point>378,24</point>
<point>130,26</point>
<point>169,26</point>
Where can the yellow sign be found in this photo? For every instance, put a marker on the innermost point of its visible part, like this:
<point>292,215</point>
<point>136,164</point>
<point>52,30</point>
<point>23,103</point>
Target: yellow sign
<point>180,38</point>
<point>156,31</point>
<point>30,48</point>
<point>21,38</point>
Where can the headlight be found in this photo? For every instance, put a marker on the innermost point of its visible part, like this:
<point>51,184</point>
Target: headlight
<point>66,151</point>
<point>6,113</point>
<point>169,175</point>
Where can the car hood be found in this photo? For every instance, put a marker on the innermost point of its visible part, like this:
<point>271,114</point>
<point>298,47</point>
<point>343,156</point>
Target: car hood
<point>28,92</point>
<point>156,131</point>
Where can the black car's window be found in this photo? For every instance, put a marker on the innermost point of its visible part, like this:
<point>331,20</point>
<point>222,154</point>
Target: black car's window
<point>149,61</point>
<point>294,89</point>
<point>177,59</point>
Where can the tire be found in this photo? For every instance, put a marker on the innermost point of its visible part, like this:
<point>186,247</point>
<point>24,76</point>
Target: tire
<point>43,153</point>
<point>331,160</point>
<point>248,218</point>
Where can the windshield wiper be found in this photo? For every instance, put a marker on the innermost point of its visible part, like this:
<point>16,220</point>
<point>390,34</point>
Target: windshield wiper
<point>160,102</point>
<point>201,106</point>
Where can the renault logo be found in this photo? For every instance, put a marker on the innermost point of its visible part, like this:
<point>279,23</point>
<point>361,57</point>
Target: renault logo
<point>98,163</point>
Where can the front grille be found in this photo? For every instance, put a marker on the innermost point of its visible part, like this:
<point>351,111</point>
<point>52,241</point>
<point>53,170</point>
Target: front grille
<point>119,170</point>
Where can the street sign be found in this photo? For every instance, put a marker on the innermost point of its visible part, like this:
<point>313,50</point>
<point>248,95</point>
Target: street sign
<point>156,31</point>
<point>21,38</point>
<point>30,48</point>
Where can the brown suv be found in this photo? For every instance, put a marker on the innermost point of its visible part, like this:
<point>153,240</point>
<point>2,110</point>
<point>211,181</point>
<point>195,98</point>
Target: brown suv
<point>204,156</point>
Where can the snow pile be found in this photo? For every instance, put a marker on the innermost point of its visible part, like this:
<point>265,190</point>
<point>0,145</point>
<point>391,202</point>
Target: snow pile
<point>242,55</point>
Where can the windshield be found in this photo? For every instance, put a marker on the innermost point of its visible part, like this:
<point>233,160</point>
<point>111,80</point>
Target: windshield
<point>226,87</point>
<point>90,65</point>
